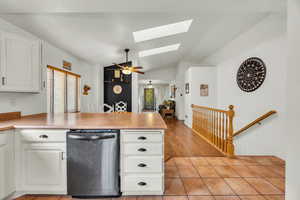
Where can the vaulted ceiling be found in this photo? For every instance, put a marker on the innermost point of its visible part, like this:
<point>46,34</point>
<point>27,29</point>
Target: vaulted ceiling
<point>100,38</point>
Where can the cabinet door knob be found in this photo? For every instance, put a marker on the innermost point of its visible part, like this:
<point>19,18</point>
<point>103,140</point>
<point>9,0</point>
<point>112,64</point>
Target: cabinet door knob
<point>142,165</point>
<point>142,183</point>
<point>142,138</point>
<point>43,136</point>
<point>142,149</point>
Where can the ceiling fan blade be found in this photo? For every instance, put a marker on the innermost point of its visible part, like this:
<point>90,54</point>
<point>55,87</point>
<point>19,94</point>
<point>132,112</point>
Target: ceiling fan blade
<point>122,67</point>
<point>138,67</point>
<point>138,72</point>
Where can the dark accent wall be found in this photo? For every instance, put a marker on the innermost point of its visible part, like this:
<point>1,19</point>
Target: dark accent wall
<point>110,97</point>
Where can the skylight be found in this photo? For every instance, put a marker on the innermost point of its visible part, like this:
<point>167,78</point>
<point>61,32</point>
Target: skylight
<point>162,31</point>
<point>159,50</point>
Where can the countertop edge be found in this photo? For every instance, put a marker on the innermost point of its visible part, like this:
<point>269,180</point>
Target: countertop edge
<point>64,127</point>
<point>19,124</point>
<point>12,127</point>
<point>5,128</point>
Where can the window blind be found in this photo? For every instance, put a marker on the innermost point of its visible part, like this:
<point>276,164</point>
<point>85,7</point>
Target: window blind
<point>63,91</point>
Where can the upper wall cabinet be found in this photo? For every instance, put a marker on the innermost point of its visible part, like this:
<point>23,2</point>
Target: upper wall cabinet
<point>20,63</point>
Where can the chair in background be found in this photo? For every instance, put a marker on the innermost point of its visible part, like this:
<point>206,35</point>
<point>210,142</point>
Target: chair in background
<point>167,109</point>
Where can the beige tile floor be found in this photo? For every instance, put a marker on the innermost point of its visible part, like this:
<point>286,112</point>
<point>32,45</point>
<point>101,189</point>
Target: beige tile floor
<point>215,178</point>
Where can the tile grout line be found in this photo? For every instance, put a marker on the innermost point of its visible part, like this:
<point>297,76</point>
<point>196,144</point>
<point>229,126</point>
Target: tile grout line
<point>204,177</point>
<point>265,178</point>
<point>244,178</point>
<point>181,178</point>
<point>223,180</point>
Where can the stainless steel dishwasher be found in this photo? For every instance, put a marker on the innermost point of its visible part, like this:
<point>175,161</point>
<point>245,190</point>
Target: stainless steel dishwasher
<point>93,163</point>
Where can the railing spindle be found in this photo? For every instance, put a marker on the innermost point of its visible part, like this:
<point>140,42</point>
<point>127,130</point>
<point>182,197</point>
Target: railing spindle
<point>215,126</point>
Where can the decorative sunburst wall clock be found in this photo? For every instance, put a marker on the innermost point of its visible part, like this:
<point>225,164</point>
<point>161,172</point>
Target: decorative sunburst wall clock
<point>251,74</point>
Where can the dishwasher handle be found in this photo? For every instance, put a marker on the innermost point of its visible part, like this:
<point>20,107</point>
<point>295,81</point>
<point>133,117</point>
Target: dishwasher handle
<point>93,137</point>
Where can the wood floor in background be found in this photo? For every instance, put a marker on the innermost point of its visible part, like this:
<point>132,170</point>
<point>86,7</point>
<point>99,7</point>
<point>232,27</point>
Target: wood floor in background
<point>181,141</point>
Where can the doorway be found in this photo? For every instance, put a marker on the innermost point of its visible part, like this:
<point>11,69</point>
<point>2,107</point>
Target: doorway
<point>149,99</point>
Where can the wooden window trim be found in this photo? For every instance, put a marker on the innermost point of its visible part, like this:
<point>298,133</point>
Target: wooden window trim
<point>64,71</point>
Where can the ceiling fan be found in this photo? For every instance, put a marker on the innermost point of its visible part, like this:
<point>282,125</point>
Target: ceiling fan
<point>129,69</point>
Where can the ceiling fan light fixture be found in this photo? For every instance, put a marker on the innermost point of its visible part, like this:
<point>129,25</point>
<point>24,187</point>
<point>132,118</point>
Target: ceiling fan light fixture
<point>126,71</point>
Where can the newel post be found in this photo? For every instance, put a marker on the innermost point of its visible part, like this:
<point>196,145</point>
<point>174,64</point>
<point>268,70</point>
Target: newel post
<point>230,145</point>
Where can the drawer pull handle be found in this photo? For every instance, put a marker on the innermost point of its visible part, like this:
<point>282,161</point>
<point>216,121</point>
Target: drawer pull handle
<point>142,138</point>
<point>142,149</point>
<point>43,136</point>
<point>142,183</point>
<point>142,165</point>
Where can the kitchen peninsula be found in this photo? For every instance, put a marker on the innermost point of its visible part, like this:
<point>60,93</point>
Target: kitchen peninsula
<point>34,157</point>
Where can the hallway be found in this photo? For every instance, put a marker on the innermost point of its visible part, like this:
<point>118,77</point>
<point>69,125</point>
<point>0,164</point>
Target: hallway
<point>181,141</point>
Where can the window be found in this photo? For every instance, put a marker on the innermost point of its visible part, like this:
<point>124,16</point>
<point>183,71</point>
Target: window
<point>162,31</point>
<point>63,91</point>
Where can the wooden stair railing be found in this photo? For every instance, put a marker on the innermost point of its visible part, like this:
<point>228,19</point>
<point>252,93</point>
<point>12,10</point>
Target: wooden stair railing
<point>257,121</point>
<point>215,126</point>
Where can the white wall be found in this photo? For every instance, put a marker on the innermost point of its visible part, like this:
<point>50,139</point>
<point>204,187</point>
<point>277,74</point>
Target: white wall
<point>267,138</point>
<point>293,98</point>
<point>180,92</point>
<point>36,103</point>
<point>196,76</point>
<point>89,74</point>
<point>164,74</point>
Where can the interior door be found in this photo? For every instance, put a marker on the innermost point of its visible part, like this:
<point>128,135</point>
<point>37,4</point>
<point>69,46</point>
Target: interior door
<point>110,81</point>
<point>149,99</point>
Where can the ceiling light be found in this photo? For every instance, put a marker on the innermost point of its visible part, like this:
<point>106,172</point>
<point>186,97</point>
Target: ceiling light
<point>149,85</point>
<point>162,31</point>
<point>159,50</point>
<point>126,71</point>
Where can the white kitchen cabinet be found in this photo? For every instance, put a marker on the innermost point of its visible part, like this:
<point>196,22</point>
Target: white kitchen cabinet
<point>20,63</point>
<point>44,167</point>
<point>7,183</point>
<point>42,160</point>
<point>142,162</point>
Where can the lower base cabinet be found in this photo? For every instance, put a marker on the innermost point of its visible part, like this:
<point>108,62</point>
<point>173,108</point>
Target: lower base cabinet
<point>44,168</point>
<point>37,158</point>
<point>43,164</point>
<point>7,170</point>
<point>142,162</point>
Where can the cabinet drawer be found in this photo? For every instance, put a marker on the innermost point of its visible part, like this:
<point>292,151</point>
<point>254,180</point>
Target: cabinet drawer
<point>31,135</point>
<point>143,183</point>
<point>143,137</point>
<point>143,149</point>
<point>138,164</point>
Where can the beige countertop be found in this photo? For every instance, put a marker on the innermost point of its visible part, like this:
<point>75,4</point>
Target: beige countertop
<point>88,121</point>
